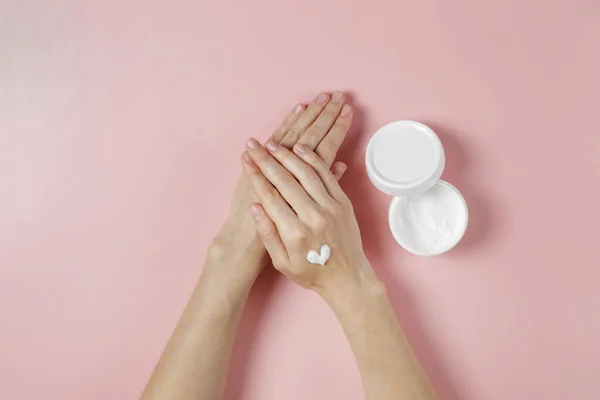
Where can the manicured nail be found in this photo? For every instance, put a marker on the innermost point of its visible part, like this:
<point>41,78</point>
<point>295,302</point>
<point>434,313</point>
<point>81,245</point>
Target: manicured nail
<point>253,144</point>
<point>246,157</point>
<point>300,148</point>
<point>340,169</point>
<point>337,97</point>
<point>322,98</point>
<point>346,110</point>
<point>298,109</point>
<point>271,146</point>
<point>255,211</point>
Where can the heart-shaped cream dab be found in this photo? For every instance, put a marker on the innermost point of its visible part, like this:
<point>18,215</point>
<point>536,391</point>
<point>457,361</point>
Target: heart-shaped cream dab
<point>315,258</point>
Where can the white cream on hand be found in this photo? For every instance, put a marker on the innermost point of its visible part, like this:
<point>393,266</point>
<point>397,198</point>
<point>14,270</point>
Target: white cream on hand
<point>315,258</point>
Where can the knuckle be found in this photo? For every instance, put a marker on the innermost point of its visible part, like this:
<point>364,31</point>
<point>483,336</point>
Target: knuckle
<point>271,195</point>
<point>313,160</point>
<point>329,144</point>
<point>258,155</point>
<point>311,135</point>
<point>253,171</point>
<point>328,116</point>
<point>329,177</point>
<point>279,134</point>
<point>290,119</point>
<point>290,138</point>
<point>321,124</point>
<point>281,179</point>
<point>294,134</point>
<point>320,223</point>
<point>345,205</point>
<point>341,124</point>
<point>283,157</point>
<point>260,160</point>
<point>298,236</point>
<point>338,211</point>
<point>341,207</point>
<point>311,175</point>
<point>267,233</point>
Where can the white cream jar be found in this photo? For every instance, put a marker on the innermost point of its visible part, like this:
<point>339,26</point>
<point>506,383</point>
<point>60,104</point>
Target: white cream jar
<point>427,216</point>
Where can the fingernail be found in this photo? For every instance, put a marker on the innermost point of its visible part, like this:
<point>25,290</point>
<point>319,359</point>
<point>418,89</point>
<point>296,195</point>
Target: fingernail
<point>298,109</point>
<point>340,169</point>
<point>337,97</point>
<point>300,148</point>
<point>255,211</point>
<point>346,110</point>
<point>253,144</point>
<point>271,146</point>
<point>246,157</point>
<point>322,98</point>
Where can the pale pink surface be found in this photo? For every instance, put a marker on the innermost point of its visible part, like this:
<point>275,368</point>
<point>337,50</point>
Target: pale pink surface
<point>121,124</point>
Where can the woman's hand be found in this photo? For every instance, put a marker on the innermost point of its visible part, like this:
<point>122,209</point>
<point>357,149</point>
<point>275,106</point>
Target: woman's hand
<point>237,244</point>
<point>302,208</point>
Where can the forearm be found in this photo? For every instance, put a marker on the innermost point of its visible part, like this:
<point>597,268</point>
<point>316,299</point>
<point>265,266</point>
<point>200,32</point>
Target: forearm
<point>387,365</point>
<point>194,364</point>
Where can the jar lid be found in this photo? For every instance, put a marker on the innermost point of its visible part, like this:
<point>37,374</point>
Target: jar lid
<point>404,158</point>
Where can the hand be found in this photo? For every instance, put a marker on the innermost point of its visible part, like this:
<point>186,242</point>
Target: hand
<point>303,208</point>
<point>316,127</point>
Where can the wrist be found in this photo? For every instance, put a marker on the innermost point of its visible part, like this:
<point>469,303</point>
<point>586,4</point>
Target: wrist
<point>228,273</point>
<point>352,293</point>
<point>220,291</point>
<point>237,246</point>
<point>363,308</point>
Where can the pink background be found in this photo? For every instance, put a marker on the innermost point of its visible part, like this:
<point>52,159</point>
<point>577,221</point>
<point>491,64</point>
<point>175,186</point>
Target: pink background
<point>121,124</point>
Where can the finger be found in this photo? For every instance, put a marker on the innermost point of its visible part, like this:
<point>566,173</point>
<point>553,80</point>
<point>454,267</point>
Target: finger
<point>304,173</point>
<point>288,122</point>
<point>278,209</point>
<point>329,146</point>
<point>305,120</point>
<point>327,177</point>
<point>282,180</point>
<point>317,131</point>
<point>338,170</point>
<point>267,231</point>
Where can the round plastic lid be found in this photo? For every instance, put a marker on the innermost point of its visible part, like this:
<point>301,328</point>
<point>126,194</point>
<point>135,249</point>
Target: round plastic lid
<point>404,158</point>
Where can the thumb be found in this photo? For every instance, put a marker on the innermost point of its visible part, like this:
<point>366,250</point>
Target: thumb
<point>267,231</point>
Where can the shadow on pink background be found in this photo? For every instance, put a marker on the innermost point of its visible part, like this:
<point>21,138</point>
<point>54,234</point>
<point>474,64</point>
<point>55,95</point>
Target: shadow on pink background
<point>121,125</point>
